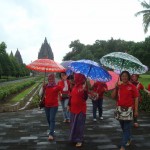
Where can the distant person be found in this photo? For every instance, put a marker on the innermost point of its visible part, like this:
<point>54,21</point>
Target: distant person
<point>51,103</point>
<point>64,96</point>
<point>77,106</point>
<point>139,86</point>
<point>126,95</point>
<point>148,87</point>
<point>98,88</point>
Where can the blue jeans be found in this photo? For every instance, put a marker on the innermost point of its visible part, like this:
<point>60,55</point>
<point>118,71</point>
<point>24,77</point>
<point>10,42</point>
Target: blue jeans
<point>126,128</point>
<point>97,104</point>
<point>51,115</point>
<point>66,113</point>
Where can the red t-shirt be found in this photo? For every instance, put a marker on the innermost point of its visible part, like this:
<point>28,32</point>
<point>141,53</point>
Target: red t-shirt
<point>78,101</point>
<point>100,88</point>
<point>126,95</point>
<point>51,96</point>
<point>139,87</point>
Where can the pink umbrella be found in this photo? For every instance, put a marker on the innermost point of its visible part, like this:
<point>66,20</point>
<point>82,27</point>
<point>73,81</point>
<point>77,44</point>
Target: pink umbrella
<point>112,83</point>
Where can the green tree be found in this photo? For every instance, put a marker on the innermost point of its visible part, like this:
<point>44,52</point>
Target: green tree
<point>146,15</point>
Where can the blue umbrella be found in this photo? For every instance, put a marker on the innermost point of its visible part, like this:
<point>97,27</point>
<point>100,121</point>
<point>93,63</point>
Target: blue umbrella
<point>91,70</point>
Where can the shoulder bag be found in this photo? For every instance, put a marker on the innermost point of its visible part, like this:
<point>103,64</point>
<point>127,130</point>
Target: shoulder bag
<point>123,113</point>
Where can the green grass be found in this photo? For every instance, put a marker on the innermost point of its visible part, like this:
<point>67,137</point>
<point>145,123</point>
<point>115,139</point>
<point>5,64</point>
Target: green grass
<point>145,80</point>
<point>22,94</point>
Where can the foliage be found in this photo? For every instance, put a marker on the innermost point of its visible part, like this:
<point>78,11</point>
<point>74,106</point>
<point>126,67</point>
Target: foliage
<point>146,15</point>
<point>9,65</point>
<point>94,52</point>
<point>145,105</point>
<point>12,88</point>
<point>23,94</point>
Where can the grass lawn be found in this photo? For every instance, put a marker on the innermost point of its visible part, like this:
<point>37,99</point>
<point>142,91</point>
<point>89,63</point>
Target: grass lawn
<point>145,80</point>
<point>22,94</point>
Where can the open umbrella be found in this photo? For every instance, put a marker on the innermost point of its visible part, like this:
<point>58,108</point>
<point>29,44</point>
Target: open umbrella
<point>123,61</point>
<point>45,65</point>
<point>112,83</point>
<point>91,70</point>
<point>66,64</point>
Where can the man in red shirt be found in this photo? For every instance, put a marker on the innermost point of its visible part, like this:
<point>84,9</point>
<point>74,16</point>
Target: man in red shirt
<point>98,88</point>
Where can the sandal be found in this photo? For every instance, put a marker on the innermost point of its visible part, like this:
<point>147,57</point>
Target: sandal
<point>50,138</point>
<point>79,144</point>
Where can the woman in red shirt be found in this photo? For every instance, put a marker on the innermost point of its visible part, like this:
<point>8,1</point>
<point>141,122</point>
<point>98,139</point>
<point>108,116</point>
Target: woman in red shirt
<point>77,106</point>
<point>139,86</point>
<point>64,96</point>
<point>127,96</point>
<point>51,103</point>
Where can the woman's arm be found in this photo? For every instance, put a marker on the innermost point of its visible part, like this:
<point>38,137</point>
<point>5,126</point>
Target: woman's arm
<point>136,107</point>
<point>114,93</point>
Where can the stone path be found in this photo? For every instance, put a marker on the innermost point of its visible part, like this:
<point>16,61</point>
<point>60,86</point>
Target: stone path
<point>27,130</point>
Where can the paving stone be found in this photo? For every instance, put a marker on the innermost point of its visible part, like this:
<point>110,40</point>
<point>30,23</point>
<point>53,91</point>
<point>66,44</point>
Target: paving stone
<point>28,130</point>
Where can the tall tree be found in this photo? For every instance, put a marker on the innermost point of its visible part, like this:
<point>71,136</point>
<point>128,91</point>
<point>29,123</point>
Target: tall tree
<point>18,57</point>
<point>146,15</point>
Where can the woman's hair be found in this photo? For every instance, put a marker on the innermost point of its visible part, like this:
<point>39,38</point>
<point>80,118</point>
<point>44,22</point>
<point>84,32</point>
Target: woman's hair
<point>61,74</point>
<point>129,77</point>
<point>135,75</point>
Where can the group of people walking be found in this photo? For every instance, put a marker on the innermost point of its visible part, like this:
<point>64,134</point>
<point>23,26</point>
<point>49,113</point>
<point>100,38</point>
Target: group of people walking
<point>73,95</point>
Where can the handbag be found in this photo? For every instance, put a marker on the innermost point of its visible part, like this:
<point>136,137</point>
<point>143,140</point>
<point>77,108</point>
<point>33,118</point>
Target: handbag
<point>42,102</point>
<point>123,113</point>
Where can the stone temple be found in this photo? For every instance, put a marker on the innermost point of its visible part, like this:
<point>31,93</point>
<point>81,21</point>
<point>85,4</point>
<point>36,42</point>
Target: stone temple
<point>45,51</point>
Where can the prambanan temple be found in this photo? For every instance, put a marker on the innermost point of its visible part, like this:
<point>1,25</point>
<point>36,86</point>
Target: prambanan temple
<point>45,51</point>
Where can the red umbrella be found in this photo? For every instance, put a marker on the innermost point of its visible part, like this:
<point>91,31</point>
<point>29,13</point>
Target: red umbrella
<point>112,83</point>
<point>45,65</point>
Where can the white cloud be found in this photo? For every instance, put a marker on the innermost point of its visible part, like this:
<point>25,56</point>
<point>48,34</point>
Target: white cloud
<point>25,24</point>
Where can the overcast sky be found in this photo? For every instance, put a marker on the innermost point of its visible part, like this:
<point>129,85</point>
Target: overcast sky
<point>24,24</point>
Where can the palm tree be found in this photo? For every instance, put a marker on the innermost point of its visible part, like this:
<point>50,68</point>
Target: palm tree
<point>146,15</point>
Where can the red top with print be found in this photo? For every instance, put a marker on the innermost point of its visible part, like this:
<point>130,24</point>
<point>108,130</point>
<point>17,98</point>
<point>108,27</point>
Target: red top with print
<point>126,95</point>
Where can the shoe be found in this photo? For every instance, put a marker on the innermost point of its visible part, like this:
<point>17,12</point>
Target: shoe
<point>122,148</point>
<point>50,138</point>
<point>79,144</point>
<point>128,143</point>
<point>65,121</point>
<point>94,120</point>
<point>136,125</point>
<point>101,118</point>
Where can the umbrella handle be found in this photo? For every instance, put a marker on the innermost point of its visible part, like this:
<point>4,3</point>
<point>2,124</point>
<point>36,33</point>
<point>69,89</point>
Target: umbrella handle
<point>122,65</point>
<point>44,77</point>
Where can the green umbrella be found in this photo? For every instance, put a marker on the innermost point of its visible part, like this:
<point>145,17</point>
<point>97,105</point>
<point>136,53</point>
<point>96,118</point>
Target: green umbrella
<point>122,61</point>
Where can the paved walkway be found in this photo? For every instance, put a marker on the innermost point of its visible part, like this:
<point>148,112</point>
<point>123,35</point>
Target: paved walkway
<point>27,130</point>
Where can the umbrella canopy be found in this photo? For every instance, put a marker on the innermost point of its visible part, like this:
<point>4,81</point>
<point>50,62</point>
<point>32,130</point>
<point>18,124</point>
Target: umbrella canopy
<point>112,83</point>
<point>66,63</point>
<point>123,61</point>
<point>90,69</point>
<point>45,65</point>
